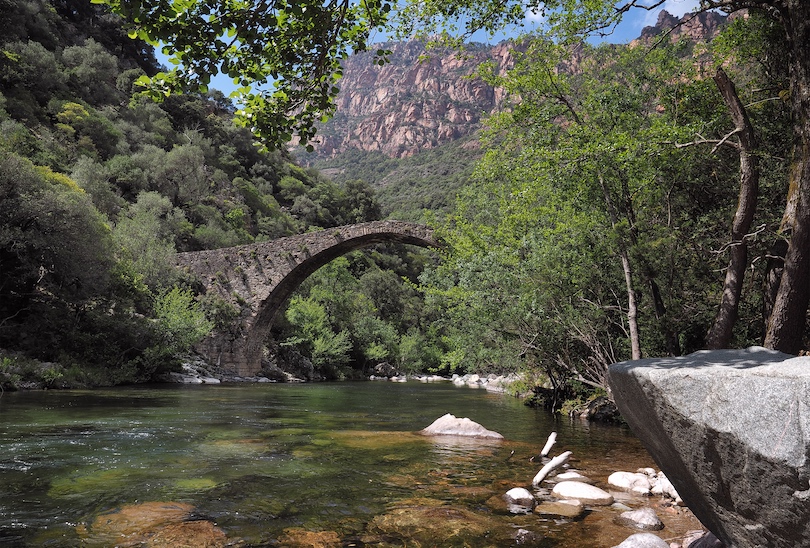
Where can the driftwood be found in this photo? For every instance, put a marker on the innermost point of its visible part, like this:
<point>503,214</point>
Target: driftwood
<point>554,463</point>
<point>549,444</point>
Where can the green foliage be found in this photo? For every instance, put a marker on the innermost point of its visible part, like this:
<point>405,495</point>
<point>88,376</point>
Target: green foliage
<point>51,238</point>
<point>580,170</point>
<point>181,319</point>
<point>144,236</point>
<point>217,310</point>
<point>287,85</point>
<point>99,188</point>
<point>407,188</point>
<point>351,313</point>
<point>92,72</point>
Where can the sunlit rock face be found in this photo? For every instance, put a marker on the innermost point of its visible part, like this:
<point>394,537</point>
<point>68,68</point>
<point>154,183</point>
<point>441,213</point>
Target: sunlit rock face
<point>422,99</point>
<point>731,430</point>
<point>418,101</point>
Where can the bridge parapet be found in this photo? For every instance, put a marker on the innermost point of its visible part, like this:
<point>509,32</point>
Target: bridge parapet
<point>257,279</point>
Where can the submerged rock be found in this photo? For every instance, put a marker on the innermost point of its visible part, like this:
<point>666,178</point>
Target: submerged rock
<point>449,425</point>
<point>152,524</point>
<point>296,537</point>
<point>189,534</point>
<point>439,525</point>
<point>730,429</point>
<point>570,509</point>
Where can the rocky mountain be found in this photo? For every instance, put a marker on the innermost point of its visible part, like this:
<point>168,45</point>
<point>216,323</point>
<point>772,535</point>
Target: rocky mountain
<point>421,100</point>
<point>696,27</point>
<point>417,101</point>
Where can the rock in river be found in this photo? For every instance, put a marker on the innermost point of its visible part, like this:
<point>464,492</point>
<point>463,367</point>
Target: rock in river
<point>632,482</point>
<point>571,509</point>
<point>731,430</point>
<point>519,496</point>
<point>643,518</point>
<point>588,494</point>
<point>643,540</point>
<point>449,425</point>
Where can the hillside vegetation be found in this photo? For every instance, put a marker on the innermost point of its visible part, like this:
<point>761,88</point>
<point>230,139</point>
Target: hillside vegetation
<point>618,206</point>
<point>99,187</point>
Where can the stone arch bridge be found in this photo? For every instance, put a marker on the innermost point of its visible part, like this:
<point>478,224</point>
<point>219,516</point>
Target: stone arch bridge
<point>259,278</point>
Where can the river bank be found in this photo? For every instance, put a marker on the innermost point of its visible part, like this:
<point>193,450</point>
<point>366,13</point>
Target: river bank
<point>18,372</point>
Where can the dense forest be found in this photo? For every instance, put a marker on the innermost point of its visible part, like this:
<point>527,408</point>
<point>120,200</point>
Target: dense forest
<point>101,186</point>
<point>604,218</point>
<point>626,205</point>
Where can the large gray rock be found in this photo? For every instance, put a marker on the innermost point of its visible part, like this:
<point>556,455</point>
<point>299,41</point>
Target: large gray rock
<point>731,430</point>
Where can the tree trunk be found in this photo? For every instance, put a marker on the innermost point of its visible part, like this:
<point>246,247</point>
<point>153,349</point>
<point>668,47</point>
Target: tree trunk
<point>720,333</point>
<point>671,338</point>
<point>785,329</point>
<point>773,275</point>
<point>632,306</point>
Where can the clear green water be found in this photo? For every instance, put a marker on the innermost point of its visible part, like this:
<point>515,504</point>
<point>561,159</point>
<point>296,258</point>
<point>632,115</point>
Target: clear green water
<point>258,459</point>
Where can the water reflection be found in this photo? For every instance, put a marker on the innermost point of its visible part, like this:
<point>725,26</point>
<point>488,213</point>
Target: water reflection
<point>267,462</point>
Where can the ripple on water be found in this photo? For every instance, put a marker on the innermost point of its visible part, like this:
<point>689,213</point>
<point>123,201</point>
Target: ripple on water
<point>341,460</point>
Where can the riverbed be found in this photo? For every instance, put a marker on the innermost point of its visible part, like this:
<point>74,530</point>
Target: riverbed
<point>334,464</point>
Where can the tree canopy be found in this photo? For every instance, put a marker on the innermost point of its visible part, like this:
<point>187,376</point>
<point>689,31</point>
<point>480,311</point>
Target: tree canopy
<point>100,187</point>
<point>283,54</point>
<point>572,20</point>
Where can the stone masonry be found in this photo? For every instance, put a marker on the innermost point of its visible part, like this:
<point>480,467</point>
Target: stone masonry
<point>257,279</point>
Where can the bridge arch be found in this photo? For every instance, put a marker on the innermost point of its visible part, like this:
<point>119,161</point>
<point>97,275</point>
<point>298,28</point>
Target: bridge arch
<point>258,279</point>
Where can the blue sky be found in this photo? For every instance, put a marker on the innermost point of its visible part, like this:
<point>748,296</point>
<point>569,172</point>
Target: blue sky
<point>637,19</point>
<point>629,29</point>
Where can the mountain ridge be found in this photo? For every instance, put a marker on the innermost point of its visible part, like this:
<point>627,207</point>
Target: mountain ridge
<point>421,100</point>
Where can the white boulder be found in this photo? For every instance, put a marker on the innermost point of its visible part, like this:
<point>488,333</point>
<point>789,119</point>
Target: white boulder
<point>632,482</point>
<point>643,518</point>
<point>519,496</point>
<point>643,540</point>
<point>449,425</point>
<point>572,476</point>
<point>588,494</point>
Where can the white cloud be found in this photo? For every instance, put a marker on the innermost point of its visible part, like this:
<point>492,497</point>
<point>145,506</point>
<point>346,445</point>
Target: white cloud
<point>535,16</point>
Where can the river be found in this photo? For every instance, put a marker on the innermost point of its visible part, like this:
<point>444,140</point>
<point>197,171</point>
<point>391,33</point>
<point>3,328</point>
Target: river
<point>284,464</point>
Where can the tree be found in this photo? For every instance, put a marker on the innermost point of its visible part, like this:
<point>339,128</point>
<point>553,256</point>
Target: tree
<point>181,319</point>
<point>92,72</point>
<point>573,19</point>
<point>145,235</point>
<point>284,55</point>
<point>720,334</point>
<point>55,249</point>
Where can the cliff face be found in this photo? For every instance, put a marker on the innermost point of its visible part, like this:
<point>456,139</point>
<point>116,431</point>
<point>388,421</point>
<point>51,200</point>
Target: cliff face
<point>695,27</point>
<point>419,101</point>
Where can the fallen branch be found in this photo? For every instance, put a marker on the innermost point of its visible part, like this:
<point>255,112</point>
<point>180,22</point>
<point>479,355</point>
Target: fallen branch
<point>552,438</point>
<point>553,464</point>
